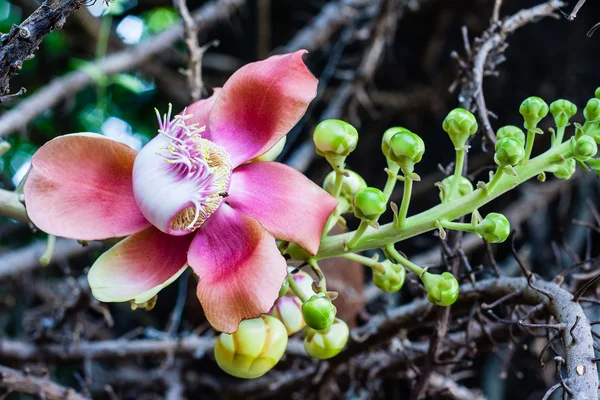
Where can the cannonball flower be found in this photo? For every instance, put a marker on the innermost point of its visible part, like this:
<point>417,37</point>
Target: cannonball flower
<point>191,197</point>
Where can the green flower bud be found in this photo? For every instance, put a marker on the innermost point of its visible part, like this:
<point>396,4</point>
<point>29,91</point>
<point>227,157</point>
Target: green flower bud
<point>387,136</point>
<point>404,148</point>
<point>511,131</point>
<point>274,152</point>
<point>494,228</point>
<point>351,183</point>
<point>326,343</point>
<point>584,148</point>
<point>464,187</point>
<point>442,290</point>
<point>533,109</point>
<point>562,110</point>
<point>591,112</point>
<point>318,312</point>
<point>369,203</point>
<point>565,171</point>
<point>509,151</point>
<point>597,93</point>
<point>392,279</point>
<point>336,137</point>
<point>460,124</point>
<point>253,349</point>
<point>288,310</point>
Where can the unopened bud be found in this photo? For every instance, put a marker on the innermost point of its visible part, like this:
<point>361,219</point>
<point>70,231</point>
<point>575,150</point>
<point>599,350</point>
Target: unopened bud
<point>494,228</point>
<point>533,109</point>
<point>392,278</point>
<point>562,110</point>
<point>460,124</point>
<point>442,290</point>
<point>326,343</point>
<point>318,312</point>
<point>509,151</point>
<point>336,137</point>
<point>369,204</point>
<point>511,131</point>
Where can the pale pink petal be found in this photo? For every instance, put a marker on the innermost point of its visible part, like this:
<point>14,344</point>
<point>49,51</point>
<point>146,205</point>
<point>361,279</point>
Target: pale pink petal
<point>259,104</point>
<point>200,111</point>
<point>138,267</point>
<point>80,187</point>
<point>284,201</point>
<point>239,266</point>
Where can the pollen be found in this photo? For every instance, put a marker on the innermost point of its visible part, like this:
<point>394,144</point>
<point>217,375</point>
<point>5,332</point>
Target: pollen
<point>195,159</point>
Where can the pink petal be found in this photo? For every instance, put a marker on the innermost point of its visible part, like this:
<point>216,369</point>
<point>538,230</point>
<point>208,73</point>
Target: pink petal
<point>240,268</point>
<point>284,201</point>
<point>259,104</point>
<point>80,187</point>
<point>200,110</point>
<point>138,267</point>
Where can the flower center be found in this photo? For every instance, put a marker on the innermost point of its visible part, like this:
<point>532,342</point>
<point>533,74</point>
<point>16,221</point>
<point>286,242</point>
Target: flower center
<point>193,158</point>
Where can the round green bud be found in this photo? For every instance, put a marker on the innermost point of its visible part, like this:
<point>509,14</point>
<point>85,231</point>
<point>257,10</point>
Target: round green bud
<point>562,110</point>
<point>318,312</point>
<point>288,310</point>
<point>253,349</point>
<point>351,183</point>
<point>369,203</point>
<point>591,112</point>
<point>392,278</point>
<point>464,187</point>
<point>533,109</point>
<point>460,124</point>
<point>509,151</point>
<point>328,342</point>
<point>442,290</point>
<point>511,131</point>
<point>404,148</point>
<point>597,93</point>
<point>387,136</point>
<point>584,148</point>
<point>565,171</point>
<point>334,136</point>
<point>494,228</point>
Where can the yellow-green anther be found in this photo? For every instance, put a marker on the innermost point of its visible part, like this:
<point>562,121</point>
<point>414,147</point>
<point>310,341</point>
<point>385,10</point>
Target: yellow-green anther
<point>318,312</point>
<point>510,131</point>
<point>494,228</point>
<point>509,151</point>
<point>460,124</point>
<point>584,148</point>
<point>391,279</point>
<point>327,343</point>
<point>253,349</point>
<point>442,290</point>
<point>464,187</point>
<point>591,112</point>
<point>566,170</point>
<point>335,137</point>
<point>562,110</point>
<point>533,109</point>
<point>405,149</point>
<point>369,203</point>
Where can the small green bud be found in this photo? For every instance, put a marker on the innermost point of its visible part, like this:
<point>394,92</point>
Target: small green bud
<point>597,93</point>
<point>565,171</point>
<point>369,203</point>
<point>318,312</point>
<point>326,343</point>
<point>392,279</point>
<point>562,110</point>
<point>494,228</point>
<point>253,349</point>
<point>442,290</point>
<point>336,137</point>
<point>584,148</point>
<point>591,112</point>
<point>460,124</point>
<point>509,151</point>
<point>288,310</point>
<point>464,187</point>
<point>511,131</point>
<point>404,148</point>
<point>387,136</point>
<point>351,183</point>
<point>533,109</point>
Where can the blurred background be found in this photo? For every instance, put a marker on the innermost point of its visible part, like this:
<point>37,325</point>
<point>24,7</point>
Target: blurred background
<point>380,63</point>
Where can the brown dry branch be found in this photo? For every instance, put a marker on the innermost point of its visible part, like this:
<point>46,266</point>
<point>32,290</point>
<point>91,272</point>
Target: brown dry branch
<point>19,44</point>
<point>190,33</point>
<point>11,206</point>
<point>486,54</point>
<point>131,57</point>
<point>16,381</point>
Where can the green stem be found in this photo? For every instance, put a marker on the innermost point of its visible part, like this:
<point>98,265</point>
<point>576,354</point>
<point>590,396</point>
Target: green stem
<point>496,178</point>
<point>362,228</point>
<point>312,262</point>
<point>408,184</point>
<point>560,133</point>
<point>337,189</point>
<point>528,146</point>
<point>458,169</point>
<point>333,246</point>
<point>390,184</point>
<point>404,261</point>
<point>367,261</point>
<point>49,252</point>
<point>457,226</point>
<point>296,289</point>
